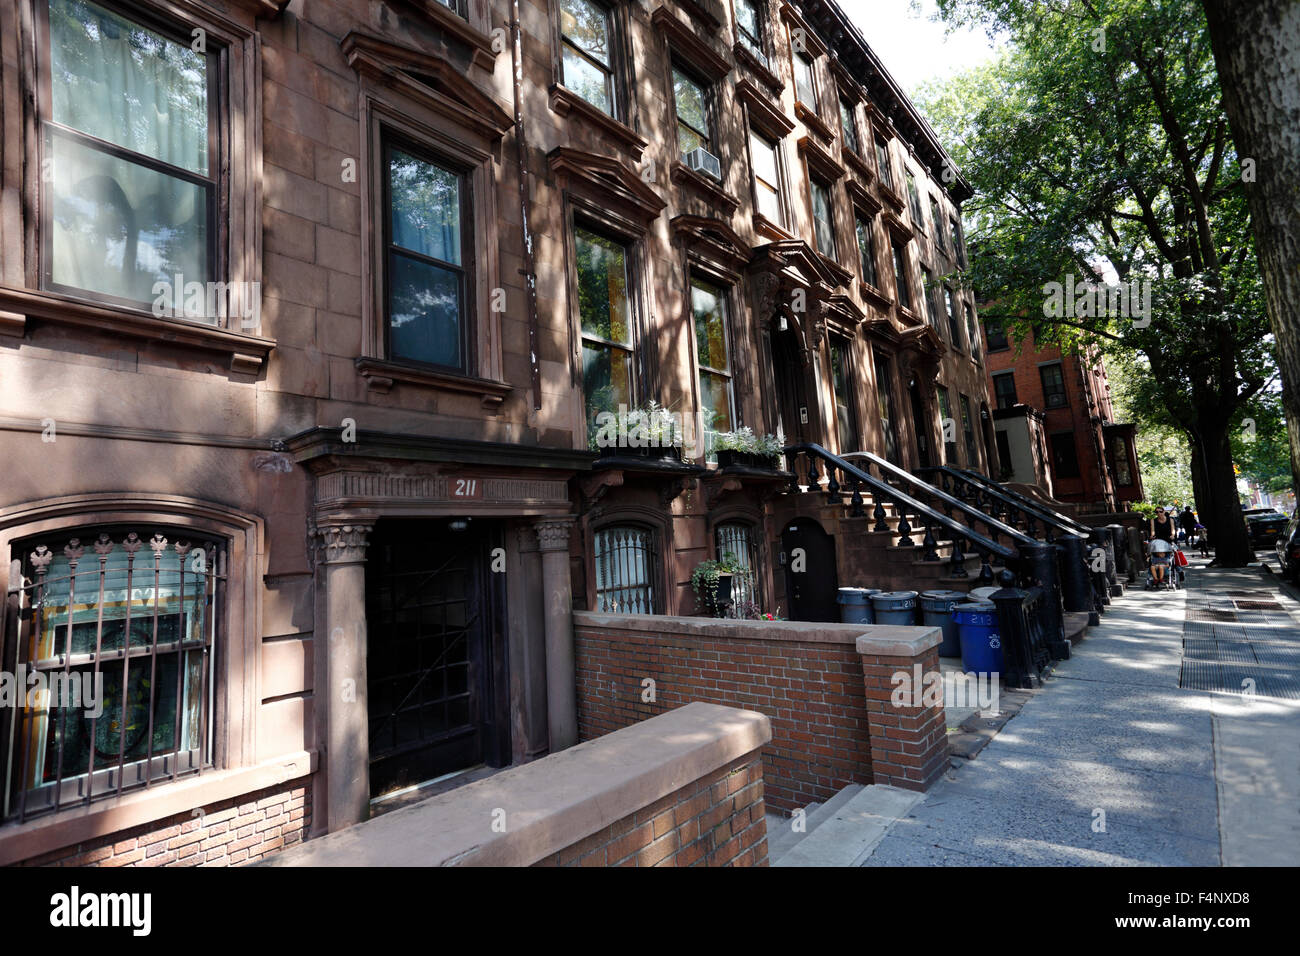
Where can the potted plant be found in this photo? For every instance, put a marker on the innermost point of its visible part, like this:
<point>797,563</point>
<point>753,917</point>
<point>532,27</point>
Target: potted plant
<point>711,582</point>
<point>653,432</point>
<point>735,447</point>
<point>767,454</point>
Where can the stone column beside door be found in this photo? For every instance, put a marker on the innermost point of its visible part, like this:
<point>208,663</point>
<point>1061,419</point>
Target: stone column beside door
<point>561,680</point>
<point>347,742</point>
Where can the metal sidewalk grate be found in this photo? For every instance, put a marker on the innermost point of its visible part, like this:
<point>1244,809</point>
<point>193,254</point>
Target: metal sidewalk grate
<point>1240,642</point>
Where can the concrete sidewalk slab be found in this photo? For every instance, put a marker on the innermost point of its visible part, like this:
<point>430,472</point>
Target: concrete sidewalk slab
<point>1258,763</point>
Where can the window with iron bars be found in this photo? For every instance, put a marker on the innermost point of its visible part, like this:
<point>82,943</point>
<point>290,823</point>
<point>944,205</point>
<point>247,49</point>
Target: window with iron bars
<point>626,569</point>
<point>739,540</point>
<point>116,643</point>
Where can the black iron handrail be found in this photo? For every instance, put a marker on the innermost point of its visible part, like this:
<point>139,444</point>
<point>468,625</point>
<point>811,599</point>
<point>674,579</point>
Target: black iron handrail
<point>972,512</point>
<point>904,503</point>
<point>1026,502</point>
<point>998,501</point>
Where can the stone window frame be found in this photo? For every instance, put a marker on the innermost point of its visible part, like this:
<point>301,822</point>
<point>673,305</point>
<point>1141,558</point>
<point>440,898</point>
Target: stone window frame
<point>782,176</point>
<point>237,765</point>
<point>752,518</point>
<point>454,133</point>
<point>644,517</point>
<point>239,191</point>
<point>585,212</point>
<point>623,124</point>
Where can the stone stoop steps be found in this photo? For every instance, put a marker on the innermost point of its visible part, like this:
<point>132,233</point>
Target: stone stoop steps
<point>844,830</point>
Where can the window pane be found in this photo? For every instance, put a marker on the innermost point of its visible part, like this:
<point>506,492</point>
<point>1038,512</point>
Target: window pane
<point>848,126</point>
<point>586,26</point>
<point>738,540</point>
<point>424,312</point>
<point>426,207</point>
<point>715,396</point>
<point>763,156</point>
<point>867,253</point>
<point>118,228</point>
<point>709,306</point>
<point>120,82</point>
<point>602,287</point>
<point>804,85</point>
<point>824,227</point>
<point>689,98</point>
<point>587,80</point>
<point>688,139</point>
<point>747,20</point>
<point>900,277</point>
<point>624,578</point>
<point>882,162</point>
<point>606,378</point>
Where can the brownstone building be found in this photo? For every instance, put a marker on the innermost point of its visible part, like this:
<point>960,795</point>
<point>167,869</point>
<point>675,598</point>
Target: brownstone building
<point>310,313</point>
<point>1055,425</point>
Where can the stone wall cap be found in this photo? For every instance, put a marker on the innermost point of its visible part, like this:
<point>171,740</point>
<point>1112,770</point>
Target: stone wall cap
<point>548,804</point>
<point>709,628</point>
<point>899,641</point>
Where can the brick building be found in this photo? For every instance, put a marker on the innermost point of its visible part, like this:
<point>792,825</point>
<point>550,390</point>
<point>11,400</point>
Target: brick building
<point>1055,425</point>
<point>307,318</point>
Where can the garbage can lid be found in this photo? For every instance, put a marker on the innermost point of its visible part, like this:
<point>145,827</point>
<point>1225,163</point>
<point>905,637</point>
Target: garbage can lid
<point>984,593</point>
<point>943,595</point>
<point>963,613</point>
<point>898,598</point>
<point>856,595</point>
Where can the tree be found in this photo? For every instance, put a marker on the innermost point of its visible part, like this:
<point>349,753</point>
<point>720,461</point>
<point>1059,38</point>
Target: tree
<point>1098,150</point>
<point>1257,48</point>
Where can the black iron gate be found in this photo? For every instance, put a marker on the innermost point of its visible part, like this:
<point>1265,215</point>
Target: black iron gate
<point>435,658</point>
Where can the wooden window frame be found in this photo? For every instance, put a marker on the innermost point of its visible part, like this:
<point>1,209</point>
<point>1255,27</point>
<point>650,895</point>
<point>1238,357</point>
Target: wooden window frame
<point>1063,391</point>
<point>782,191</point>
<point>849,365</point>
<point>815,184</point>
<point>237,220</point>
<point>998,395</point>
<point>726,293</point>
<point>708,94</point>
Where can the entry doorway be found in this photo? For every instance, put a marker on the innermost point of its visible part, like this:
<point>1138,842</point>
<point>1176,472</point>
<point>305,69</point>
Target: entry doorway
<point>921,425</point>
<point>811,579</point>
<point>435,652</point>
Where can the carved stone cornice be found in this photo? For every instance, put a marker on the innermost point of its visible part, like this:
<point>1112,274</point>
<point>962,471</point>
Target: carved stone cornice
<point>553,533</point>
<point>343,543</point>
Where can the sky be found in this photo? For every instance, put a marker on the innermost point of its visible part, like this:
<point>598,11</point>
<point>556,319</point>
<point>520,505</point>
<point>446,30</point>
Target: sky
<point>914,47</point>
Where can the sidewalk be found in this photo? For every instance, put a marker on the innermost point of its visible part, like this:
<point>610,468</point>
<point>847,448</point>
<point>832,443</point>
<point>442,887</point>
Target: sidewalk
<point>1114,765</point>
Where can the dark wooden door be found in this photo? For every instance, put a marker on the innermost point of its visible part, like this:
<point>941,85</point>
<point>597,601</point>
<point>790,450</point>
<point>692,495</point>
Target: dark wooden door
<point>921,425</point>
<point>811,581</point>
<point>791,404</point>
<point>435,654</point>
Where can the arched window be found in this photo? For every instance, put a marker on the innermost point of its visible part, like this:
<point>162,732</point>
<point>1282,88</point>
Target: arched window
<point>626,570</point>
<point>739,539</point>
<point>120,630</point>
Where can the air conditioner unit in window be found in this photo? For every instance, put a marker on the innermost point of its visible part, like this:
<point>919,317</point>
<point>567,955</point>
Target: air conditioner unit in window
<point>702,161</point>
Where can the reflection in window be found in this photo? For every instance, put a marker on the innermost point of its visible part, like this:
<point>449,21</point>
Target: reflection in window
<point>749,25</point>
<point>841,379</point>
<point>954,318</point>
<point>131,191</point>
<point>823,223</point>
<point>885,399</point>
<point>709,307</point>
<point>692,113</point>
<point>948,426</point>
<point>848,126</point>
<point>900,276</point>
<point>587,64</point>
<point>767,181</point>
<point>883,165</point>
<point>426,279</point>
<point>805,83</point>
<point>867,253</point>
<point>605,314</point>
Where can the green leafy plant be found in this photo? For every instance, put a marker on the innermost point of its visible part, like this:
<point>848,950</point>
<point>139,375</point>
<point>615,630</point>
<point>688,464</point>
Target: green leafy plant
<point>704,579</point>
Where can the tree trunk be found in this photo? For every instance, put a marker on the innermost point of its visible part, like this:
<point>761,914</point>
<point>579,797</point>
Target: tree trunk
<point>1200,488</point>
<point>1257,48</point>
<point>1222,513</point>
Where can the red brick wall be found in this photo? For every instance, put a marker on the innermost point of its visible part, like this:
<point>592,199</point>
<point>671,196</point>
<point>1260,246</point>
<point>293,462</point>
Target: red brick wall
<point>717,820</point>
<point>224,834</point>
<point>909,745</point>
<point>811,692</point>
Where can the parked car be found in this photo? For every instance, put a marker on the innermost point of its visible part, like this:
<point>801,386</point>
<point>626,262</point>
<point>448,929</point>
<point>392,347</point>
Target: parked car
<point>1265,526</point>
<point>1288,549</point>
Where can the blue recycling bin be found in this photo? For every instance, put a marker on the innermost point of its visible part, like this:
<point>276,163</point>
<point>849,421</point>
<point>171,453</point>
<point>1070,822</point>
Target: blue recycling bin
<point>981,643</point>
<point>855,605</point>
<point>936,611</point>
<point>894,607</point>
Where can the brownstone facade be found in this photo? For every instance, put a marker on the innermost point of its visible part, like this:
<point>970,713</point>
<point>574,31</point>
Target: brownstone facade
<point>357,475</point>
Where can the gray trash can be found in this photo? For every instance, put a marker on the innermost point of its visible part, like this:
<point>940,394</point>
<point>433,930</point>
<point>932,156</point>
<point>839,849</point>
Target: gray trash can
<point>936,611</point>
<point>855,605</point>
<point>894,607</point>
<point>983,594</point>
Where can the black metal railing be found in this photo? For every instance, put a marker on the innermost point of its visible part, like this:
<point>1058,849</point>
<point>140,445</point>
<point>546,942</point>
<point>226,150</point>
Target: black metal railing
<point>1027,648</point>
<point>932,520</point>
<point>1076,542</point>
<point>1033,562</point>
